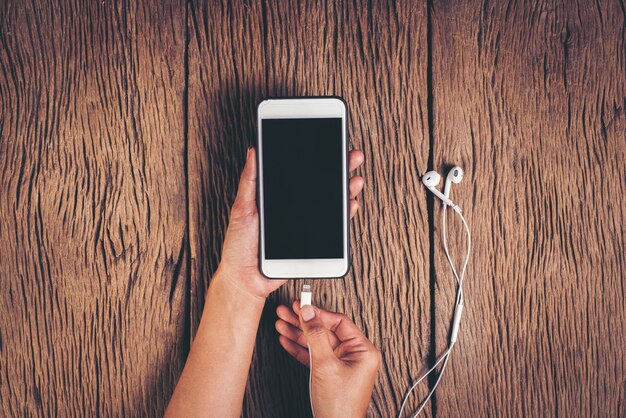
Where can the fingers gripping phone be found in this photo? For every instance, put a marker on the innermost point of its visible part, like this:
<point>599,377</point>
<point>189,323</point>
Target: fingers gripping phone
<point>303,188</point>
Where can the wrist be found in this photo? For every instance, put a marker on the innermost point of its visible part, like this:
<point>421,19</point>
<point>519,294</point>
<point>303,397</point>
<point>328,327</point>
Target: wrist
<point>232,285</point>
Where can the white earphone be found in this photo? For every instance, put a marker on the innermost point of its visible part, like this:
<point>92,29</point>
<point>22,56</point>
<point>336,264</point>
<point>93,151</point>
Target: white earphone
<point>431,181</point>
<point>454,176</point>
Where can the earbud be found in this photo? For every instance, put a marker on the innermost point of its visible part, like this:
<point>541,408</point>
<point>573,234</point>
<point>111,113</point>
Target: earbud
<point>431,181</point>
<point>454,176</point>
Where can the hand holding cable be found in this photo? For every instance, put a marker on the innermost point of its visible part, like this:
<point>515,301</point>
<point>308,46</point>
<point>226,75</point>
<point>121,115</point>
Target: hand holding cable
<point>344,363</point>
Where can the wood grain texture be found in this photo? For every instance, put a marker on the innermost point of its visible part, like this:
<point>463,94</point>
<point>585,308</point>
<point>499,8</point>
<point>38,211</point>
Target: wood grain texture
<point>123,130</point>
<point>375,56</point>
<point>92,207</point>
<point>529,98</point>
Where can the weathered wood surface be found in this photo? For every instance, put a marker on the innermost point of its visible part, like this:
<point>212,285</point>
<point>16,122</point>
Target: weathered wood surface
<point>530,99</point>
<point>123,131</point>
<point>92,208</point>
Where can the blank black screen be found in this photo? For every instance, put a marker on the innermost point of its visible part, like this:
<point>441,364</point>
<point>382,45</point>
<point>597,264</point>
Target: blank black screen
<point>302,188</point>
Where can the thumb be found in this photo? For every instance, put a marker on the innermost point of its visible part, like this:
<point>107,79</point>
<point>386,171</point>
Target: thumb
<point>317,335</point>
<point>247,185</point>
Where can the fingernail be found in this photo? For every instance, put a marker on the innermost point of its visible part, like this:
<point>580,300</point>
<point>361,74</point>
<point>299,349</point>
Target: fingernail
<point>248,153</point>
<point>308,313</point>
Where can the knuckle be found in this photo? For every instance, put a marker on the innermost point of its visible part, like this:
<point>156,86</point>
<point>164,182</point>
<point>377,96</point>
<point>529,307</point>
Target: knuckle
<point>379,358</point>
<point>235,210</point>
<point>374,357</point>
<point>316,331</point>
<point>342,318</point>
<point>241,210</point>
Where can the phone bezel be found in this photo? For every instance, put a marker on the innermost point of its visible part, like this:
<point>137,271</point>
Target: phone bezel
<point>304,107</point>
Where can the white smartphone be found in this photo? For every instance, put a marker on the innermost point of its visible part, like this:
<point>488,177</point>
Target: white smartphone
<point>303,188</point>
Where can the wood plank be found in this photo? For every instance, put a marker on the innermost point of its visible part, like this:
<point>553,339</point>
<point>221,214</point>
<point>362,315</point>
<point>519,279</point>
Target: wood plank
<point>92,209</point>
<point>530,98</point>
<point>375,57</point>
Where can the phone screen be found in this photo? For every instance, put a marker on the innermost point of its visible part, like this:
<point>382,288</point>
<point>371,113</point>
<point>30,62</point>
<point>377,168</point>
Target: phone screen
<point>302,188</point>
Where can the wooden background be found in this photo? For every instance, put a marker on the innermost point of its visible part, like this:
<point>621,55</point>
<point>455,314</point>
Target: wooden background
<point>123,131</point>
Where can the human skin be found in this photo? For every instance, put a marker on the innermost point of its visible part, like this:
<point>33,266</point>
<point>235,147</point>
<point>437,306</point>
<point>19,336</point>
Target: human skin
<point>214,377</point>
<point>343,362</point>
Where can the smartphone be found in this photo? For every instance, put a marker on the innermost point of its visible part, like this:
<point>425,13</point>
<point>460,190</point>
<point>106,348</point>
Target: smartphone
<point>303,188</point>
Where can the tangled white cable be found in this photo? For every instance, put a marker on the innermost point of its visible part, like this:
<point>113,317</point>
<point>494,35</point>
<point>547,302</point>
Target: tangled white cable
<point>431,180</point>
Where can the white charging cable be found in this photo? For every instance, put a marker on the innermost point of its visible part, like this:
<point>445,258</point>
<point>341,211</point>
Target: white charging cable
<point>458,310</point>
<point>305,299</point>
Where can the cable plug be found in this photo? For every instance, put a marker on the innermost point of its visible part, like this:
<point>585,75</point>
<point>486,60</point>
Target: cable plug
<point>305,295</point>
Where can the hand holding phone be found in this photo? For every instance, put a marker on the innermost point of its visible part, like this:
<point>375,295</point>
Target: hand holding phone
<point>239,263</point>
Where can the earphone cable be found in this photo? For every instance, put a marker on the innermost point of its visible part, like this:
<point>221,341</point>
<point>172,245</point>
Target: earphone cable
<point>459,301</point>
<point>422,377</point>
<point>443,368</point>
<point>459,280</point>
